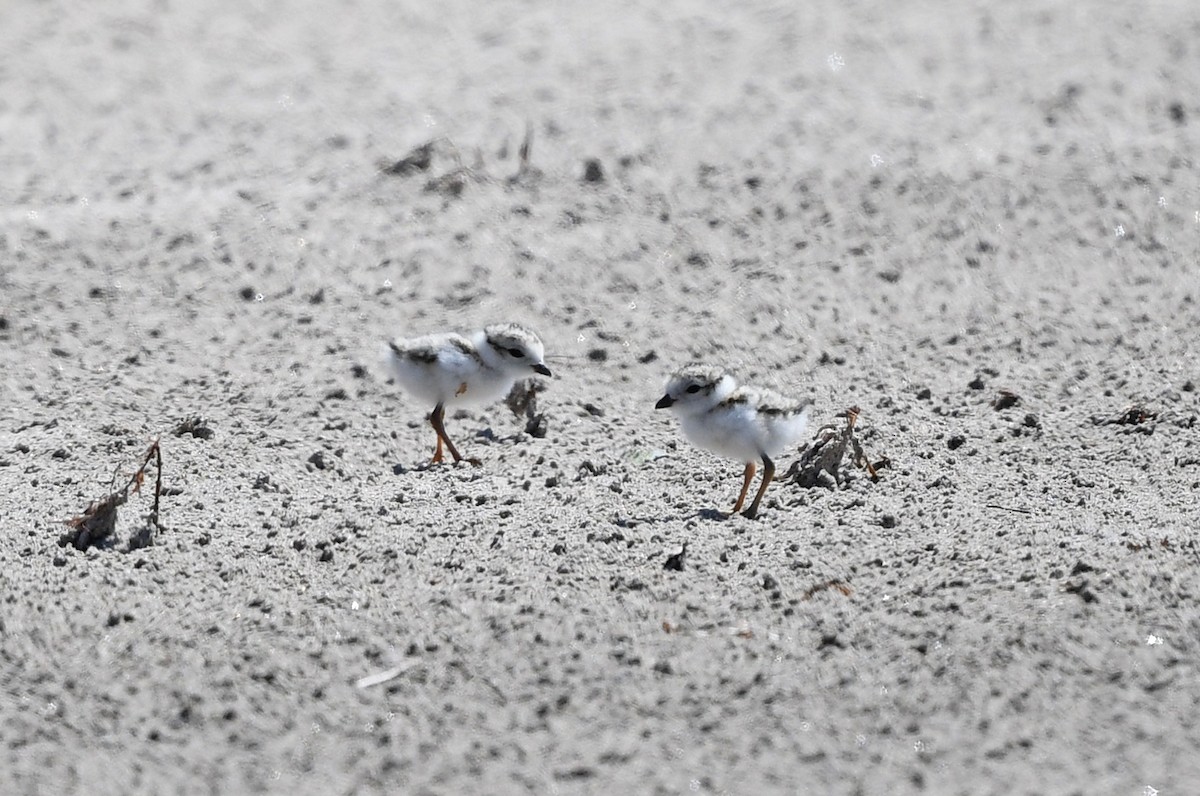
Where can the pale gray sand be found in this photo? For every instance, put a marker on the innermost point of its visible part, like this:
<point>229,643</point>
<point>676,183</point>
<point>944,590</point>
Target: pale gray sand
<point>906,210</point>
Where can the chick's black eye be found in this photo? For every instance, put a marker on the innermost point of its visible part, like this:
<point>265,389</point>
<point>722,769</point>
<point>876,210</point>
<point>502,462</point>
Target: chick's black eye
<point>693,388</point>
<point>516,352</point>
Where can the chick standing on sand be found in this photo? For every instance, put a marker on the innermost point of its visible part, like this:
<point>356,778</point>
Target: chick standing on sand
<point>452,370</point>
<point>743,423</point>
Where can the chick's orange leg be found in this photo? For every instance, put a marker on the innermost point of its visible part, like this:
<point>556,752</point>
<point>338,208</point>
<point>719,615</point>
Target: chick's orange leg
<point>437,453</point>
<point>436,419</point>
<point>748,475</point>
<point>768,476</point>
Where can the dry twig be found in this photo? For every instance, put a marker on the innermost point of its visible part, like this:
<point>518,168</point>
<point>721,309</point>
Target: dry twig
<point>821,462</point>
<point>522,402</point>
<point>836,585</point>
<point>99,519</point>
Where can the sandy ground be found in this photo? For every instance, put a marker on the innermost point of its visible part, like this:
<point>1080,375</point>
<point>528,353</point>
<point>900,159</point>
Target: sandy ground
<point>905,207</point>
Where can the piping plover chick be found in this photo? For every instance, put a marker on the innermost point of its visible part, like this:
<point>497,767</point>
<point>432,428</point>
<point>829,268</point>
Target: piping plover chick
<point>743,423</point>
<point>450,370</point>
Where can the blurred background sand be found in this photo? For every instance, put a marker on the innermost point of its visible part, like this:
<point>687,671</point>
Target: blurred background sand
<point>905,207</point>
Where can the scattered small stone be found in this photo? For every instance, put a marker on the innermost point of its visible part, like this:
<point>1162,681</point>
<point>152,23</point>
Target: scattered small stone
<point>184,239</point>
<point>888,521</point>
<point>925,394</point>
<point>977,383</point>
<point>1081,588</point>
<point>587,466</point>
<point>326,556</point>
<point>317,460</point>
<point>830,640</point>
<point>598,355</point>
<point>593,171</point>
<point>579,772</point>
<point>1081,567</point>
<point>247,293</point>
<point>956,442</point>
<point>674,561</point>
<point>651,356</point>
<point>537,426</point>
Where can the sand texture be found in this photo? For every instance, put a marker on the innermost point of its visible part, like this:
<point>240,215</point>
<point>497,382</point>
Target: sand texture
<point>977,222</point>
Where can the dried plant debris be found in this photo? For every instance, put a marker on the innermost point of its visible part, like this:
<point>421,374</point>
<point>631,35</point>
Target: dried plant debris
<point>820,464</point>
<point>453,180</point>
<point>1138,419</point>
<point>839,586</point>
<point>197,426</point>
<point>522,402</point>
<point>1002,507</point>
<point>526,171</point>
<point>1005,400</point>
<point>98,522</point>
<point>1134,415</point>
<point>419,159</point>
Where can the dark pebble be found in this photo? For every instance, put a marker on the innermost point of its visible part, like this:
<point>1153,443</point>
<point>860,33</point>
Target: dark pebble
<point>593,171</point>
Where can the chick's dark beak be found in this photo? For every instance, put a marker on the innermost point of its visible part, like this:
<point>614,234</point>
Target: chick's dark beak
<point>542,369</point>
<point>664,402</point>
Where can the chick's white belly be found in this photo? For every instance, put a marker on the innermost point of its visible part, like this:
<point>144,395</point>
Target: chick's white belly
<point>729,433</point>
<point>743,434</point>
<point>455,379</point>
